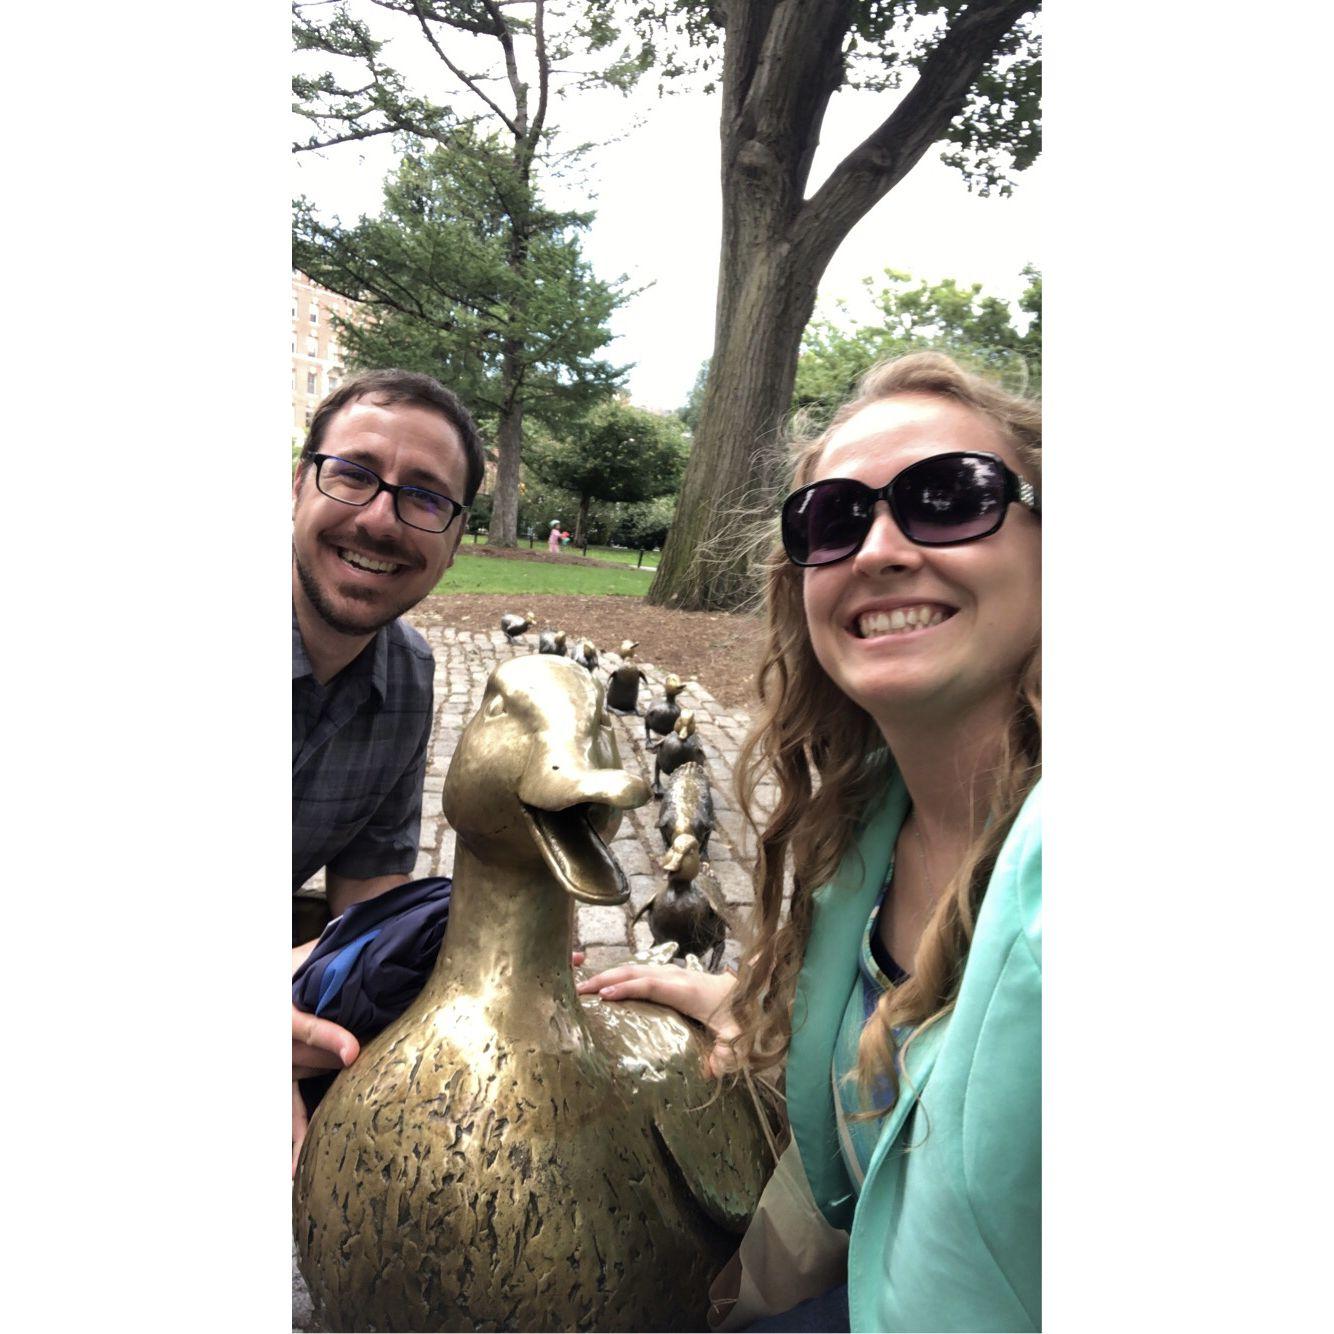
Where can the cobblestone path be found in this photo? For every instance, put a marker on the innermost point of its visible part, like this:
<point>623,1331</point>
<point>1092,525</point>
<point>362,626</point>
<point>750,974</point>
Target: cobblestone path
<point>464,659</point>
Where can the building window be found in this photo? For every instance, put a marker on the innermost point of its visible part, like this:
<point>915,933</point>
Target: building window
<point>310,382</point>
<point>312,348</point>
<point>310,412</point>
<point>314,314</point>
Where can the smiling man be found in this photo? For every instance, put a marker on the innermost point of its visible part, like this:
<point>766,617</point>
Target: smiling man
<point>391,461</point>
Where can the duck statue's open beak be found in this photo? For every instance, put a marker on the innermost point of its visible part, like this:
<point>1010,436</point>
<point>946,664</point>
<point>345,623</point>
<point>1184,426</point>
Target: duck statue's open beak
<point>570,814</point>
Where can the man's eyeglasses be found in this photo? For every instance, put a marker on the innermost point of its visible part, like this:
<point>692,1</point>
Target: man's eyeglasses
<point>937,502</point>
<point>351,484</point>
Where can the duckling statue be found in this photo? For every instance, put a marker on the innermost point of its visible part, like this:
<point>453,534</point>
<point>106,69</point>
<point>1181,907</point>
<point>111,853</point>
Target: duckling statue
<point>623,681</point>
<point>585,654</point>
<point>680,748</point>
<point>661,718</point>
<point>687,807</point>
<point>552,641</point>
<point>689,908</point>
<point>514,626</point>
<point>508,1155</point>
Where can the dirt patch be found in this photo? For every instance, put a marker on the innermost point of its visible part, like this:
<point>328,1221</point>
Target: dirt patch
<point>719,650</point>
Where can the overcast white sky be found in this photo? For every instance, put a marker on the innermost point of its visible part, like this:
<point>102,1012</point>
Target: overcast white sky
<point>658,212</point>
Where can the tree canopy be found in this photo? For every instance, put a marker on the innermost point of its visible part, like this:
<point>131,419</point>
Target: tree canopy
<point>439,294</point>
<point>466,88</point>
<point>964,76</point>
<point>978,331</point>
<point>615,452</point>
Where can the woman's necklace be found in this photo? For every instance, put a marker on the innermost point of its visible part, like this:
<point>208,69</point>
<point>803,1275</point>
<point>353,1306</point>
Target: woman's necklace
<point>926,865</point>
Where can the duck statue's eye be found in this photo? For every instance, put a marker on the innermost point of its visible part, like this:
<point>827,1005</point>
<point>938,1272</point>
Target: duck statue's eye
<point>495,708</point>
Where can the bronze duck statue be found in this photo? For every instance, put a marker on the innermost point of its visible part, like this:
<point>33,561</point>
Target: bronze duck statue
<point>585,653</point>
<point>689,908</point>
<point>687,807</point>
<point>623,681</point>
<point>661,718</point>
<point>552,641</point>
<point>514,626</point>
<point>507,1155</point>
<point>680,748</point>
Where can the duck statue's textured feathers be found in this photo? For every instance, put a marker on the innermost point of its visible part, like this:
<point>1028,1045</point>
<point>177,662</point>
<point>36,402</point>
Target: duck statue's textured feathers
<point>509,1155</point>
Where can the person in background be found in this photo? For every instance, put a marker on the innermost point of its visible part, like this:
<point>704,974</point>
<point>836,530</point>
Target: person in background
<point>901,671</point>
<point>391,461</point>
<point>553,541</point>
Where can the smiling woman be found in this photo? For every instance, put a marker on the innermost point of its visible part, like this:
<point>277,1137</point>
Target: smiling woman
<point>900,727</point>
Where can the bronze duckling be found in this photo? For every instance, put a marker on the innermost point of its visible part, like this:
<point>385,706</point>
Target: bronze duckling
<point>680,748</point>
<point>514,626</point>
<point>585,654</point>
<point>551,641</point>
<point>623,681</point>
<point>661,718</point>
<point>689,908</point>
<point>687,807</point>
<point>508,1155</point>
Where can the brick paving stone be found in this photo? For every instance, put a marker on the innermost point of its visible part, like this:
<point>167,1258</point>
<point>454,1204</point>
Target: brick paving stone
<point>642,890</point>
<point>598,957</point>
<point>734,881</point>
<point>600,924</point>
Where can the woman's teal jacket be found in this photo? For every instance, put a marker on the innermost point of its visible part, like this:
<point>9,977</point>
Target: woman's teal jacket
<point>946,1232</point>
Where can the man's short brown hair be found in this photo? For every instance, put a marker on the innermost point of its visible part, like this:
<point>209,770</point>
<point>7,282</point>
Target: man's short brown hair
<point>393,386</point>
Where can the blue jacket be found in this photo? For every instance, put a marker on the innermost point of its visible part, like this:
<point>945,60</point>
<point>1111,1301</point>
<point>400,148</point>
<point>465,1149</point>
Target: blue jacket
<point>946,1234</point>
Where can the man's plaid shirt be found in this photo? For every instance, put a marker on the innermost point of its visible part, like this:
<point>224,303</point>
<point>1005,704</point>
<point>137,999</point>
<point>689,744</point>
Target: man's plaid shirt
<point>359,757</point>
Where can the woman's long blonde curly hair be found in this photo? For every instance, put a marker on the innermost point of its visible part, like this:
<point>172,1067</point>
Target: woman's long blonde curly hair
<point>808,730</point>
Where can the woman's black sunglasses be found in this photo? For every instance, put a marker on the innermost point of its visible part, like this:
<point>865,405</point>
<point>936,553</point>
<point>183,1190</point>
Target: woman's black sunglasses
<point>936,502</point>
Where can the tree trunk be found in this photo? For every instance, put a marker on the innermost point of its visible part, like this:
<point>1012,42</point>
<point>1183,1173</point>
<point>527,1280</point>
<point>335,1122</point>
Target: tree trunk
<point>781,63</point>
<point>581,524</point>
<point>737,460</point>
<point>504,529</point>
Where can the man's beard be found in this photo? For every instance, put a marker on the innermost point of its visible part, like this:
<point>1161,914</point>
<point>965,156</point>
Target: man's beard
<point>325,610</point>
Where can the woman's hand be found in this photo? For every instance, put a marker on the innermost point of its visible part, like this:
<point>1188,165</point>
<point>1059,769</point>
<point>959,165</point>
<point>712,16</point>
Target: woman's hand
<point>693,993</point>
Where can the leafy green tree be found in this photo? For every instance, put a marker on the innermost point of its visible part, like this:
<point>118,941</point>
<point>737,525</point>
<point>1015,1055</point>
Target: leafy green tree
<point>976,330</point>
<point>481,126</point>
<point>616,452</point>
<point>438,292</point>
<point>974,73</point>
<point>645,525</point>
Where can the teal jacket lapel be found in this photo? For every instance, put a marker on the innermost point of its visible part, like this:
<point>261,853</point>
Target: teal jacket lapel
<point>828,974</point>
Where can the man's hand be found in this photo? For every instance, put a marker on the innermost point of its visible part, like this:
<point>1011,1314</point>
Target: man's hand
<point>318,1045</point>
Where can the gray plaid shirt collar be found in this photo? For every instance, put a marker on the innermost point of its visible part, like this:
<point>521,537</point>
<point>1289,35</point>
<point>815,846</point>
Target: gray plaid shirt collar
<point>379,660</point>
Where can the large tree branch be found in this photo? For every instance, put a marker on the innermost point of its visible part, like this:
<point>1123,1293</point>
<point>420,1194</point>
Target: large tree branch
<point>519,127</point>
<point>543,75</point>
<point>899,142</point>
<point>450,19</point>
<point>418,7</point>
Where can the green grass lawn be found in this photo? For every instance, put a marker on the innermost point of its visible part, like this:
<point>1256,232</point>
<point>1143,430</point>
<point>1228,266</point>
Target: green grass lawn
<point>486,574</point>
<point>617,554</point>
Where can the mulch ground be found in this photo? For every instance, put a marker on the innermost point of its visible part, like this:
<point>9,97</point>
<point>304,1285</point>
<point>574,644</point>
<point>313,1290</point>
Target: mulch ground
<point>718,649</point>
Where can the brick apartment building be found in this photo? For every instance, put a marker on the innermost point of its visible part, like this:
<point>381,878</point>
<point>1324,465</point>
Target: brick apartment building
<point>317,360</point>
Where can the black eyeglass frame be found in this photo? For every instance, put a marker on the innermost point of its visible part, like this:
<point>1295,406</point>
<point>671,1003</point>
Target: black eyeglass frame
<point>1017,490</point>
<point>319,460</point>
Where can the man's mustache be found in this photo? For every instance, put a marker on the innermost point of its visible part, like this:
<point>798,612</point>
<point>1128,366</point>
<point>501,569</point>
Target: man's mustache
<point>383,547</point>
